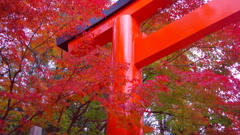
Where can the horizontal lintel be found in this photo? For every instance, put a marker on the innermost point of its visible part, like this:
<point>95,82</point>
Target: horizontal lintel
<point>139,9</point>
<point>188,29</point>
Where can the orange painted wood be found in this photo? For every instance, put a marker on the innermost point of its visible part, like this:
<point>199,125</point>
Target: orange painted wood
<point>190,28</point>
<point>125,31</point>
<point>140,10</point>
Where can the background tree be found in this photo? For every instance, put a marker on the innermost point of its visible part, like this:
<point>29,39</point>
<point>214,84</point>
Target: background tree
<point>40,84</point>
<point>200,81</point>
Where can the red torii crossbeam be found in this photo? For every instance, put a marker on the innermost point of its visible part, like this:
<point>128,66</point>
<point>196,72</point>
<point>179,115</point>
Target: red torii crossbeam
<point>129,46</point>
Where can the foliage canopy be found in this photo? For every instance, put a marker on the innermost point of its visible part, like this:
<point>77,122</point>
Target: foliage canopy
<point>192,91</point>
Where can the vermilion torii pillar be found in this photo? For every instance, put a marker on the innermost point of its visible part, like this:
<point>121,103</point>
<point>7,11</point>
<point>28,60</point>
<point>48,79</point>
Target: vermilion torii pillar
<point>126,30</point>
<point>122,28</point>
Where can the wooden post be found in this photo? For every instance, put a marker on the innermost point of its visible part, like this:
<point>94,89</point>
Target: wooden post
<point>125,31</point>
<point>35,130</point>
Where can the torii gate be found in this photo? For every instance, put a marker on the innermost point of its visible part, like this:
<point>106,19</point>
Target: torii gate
<point>121,26</point>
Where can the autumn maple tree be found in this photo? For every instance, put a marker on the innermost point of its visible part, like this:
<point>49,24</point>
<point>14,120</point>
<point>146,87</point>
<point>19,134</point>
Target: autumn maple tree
<point>192,91</point>
<point>200,83</point>
<point>40,84</point>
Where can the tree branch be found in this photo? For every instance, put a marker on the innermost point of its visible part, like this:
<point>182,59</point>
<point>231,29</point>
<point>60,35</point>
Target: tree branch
<point>76,114</point>
<point>36,114</point>
<point>160,112</point>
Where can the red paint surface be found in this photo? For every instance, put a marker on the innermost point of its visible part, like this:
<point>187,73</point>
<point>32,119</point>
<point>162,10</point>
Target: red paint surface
<point>125,32</point>
<point>190,28</point>
<point>140,10</point>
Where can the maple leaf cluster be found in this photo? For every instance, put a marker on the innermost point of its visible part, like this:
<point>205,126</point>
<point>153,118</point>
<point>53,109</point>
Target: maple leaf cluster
<point>192,91</point>
<point>40,84</point>
<point>200,85</point>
